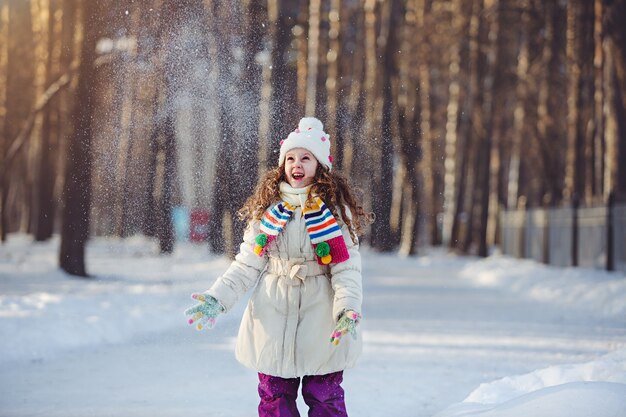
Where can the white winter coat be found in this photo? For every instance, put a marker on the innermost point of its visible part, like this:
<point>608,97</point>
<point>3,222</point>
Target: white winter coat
<point>286,328</point>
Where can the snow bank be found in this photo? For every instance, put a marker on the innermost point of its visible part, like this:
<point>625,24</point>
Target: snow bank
<point>596,388</point>
<point>134,292</point>
<point>574,399</point>
<point>608,368</point>
<point>595,291</point>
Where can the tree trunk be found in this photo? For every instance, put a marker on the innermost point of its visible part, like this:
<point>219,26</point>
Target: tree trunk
<point>504,60</point>
<point>127,116</point>
<point>471,129</point>
<point>521,95</point>
<point>20,76</point>
<point>354,71</point>
<point>599,135</point>
<point>488,34</point>
<point>46,177</point>
<point>369,166</point>
<point>238,144</point>
<point>532,170</point>
<point>332,80</point>
<point>617,156</point>
<point>69,46</point>
<point>578,94</point>
<point>408,130</point>
<point>585,101</point>
<point>171,22</point>
<point>451,186</point>
<point>383,234</point>
<point>427,140</point>
<point>283,79</point>
<point>247,159</point>
<point>168,151</point>
<point>616,96</point>
<point>551,95</point>
<point>77,193</point>
<point>620,168</point>
<point>150,226</point>
<point>315,9</point>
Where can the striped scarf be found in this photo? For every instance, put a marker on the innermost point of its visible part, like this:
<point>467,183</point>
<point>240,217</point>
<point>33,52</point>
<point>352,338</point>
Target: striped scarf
<point>323,230</point>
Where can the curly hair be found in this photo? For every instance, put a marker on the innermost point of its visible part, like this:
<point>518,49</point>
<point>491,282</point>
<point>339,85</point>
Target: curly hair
<point>331,187</point>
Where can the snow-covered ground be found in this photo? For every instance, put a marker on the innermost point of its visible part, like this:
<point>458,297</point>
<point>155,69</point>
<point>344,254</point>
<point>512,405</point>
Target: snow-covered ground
<point>444,335</point>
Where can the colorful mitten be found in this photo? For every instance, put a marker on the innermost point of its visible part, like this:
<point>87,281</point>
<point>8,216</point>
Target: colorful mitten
<point>347,323</point>
<point>205,312</point>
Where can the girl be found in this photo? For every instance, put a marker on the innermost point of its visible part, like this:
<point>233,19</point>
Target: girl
<point>301,251</point>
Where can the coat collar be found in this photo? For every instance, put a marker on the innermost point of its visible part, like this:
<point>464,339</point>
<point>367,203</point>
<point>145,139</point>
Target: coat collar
<point>295,196</point>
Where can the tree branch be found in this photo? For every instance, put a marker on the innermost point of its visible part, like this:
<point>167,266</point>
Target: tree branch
<point>24,134</point>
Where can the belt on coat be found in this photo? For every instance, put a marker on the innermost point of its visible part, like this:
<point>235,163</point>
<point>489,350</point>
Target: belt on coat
<point>296,269</point>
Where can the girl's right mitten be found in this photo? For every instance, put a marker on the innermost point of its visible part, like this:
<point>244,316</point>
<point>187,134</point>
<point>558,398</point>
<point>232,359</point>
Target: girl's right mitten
<point>204,314</point>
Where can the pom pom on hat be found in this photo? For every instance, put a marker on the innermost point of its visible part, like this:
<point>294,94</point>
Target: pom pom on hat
<point>310,123</point>
<point>309,135</point>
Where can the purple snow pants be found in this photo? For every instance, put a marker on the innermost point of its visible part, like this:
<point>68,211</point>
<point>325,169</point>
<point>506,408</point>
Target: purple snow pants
<point>322,393</point>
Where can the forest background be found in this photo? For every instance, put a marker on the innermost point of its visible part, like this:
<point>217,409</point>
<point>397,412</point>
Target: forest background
<point>443,112</point>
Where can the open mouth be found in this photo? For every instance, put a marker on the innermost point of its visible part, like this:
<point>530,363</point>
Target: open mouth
<point>297,176</point>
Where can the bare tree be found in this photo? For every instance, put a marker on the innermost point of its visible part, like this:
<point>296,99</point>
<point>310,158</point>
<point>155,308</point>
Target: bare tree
<point>551,94</point>
<point>315,11</point>
<point>599,135</point>
<point>616,97</point>
<point>49,140</point>
<point>125,74</point>
<point>239,124</point>
<point>424,14</point>
<point>408,128</point>
<point>452,107</point>
<point>19,96</point>
<point>381,230</point>
<point>351,119</point>
<point>283,79</point>
<point>580,96</point>
<point>453,148</point>
<point>77,191</point>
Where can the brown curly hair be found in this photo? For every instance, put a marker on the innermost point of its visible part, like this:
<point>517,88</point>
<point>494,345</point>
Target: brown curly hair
<point>331,187</point>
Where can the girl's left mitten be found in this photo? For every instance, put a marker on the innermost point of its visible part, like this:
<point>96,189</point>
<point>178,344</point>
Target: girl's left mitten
<point>204,314</point>
<point>346,324</point>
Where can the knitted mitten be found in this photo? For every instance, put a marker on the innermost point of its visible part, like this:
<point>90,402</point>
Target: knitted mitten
<point>205,312</point>
<point>347,323</point>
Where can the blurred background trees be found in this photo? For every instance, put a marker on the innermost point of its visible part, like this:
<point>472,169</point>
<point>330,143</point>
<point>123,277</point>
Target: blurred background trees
<point>113,115</point>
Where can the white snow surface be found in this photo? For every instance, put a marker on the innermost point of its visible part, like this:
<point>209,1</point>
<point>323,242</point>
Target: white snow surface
<point>444,335</point>
<point>596,291</point>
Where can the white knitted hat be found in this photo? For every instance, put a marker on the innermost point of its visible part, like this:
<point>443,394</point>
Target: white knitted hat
<point>309,135</point>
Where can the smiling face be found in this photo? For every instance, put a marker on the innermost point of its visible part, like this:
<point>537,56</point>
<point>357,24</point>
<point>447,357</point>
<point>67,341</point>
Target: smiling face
<point>300,166</point>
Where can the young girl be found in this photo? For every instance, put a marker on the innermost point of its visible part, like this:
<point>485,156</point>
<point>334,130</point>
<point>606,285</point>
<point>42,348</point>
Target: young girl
<point>301,251</point>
